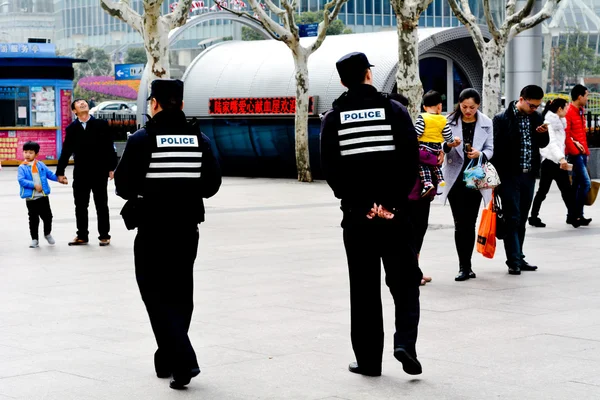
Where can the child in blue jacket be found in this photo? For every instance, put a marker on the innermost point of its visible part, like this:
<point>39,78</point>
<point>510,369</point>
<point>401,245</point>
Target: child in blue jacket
<point>33,178</point>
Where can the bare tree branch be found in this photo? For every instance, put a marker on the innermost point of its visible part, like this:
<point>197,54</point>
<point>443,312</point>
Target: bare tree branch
<point>179,16</point>
<point>510,7</point>
<point>490,21</point>
<point>276,10</point>
<point>422,6</point>
<point>468,20</point>
<point>529,22</point>
<point>290,22</point>
<point>124,12</point>
<point>328,18</point>
<point>247,15</point>
<point>513,18</point>
<point>266,21</point>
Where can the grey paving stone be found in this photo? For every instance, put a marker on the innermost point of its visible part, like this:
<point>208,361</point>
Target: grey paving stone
<point>272,313</point>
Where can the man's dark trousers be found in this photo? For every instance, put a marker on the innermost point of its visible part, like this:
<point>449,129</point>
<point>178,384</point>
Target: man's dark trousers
<point>516,193</point>
<point>164,264</point>
<point>368,243</point>
<point>82,187</point>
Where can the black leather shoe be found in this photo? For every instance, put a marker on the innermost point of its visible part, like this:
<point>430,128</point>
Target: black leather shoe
<point>514,270</point>
<point>464,274</point>
<point>576,222</point>
<point>527,267</point>
<point>535,221</point>
<point>179,381</point>
<point>409,361</point>
<point>584,221</point>
<point>354,368</point>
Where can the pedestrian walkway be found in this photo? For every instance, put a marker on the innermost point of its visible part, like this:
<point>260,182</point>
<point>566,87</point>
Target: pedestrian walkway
<point>271,316</point>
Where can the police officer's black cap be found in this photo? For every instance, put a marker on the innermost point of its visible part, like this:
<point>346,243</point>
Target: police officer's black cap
<point>167,90</point>
<point>352,65</point>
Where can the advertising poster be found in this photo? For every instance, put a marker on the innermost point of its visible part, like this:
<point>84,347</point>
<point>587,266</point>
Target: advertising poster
<point>11,144</point>
<point>66,116</point>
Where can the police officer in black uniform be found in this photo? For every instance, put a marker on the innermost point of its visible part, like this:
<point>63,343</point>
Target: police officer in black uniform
<point>369,156</point>
<point>166,170</point>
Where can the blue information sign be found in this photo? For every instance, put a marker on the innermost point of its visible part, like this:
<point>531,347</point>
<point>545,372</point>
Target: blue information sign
<point>27,50</point>
<point>129,71</point>
<point>308,30</point>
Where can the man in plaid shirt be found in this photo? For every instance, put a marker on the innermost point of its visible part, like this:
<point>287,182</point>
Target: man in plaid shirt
<point>519,133</point>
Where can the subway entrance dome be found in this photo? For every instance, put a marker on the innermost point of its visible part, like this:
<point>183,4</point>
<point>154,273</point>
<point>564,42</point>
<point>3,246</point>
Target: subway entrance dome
<point>261,73</point>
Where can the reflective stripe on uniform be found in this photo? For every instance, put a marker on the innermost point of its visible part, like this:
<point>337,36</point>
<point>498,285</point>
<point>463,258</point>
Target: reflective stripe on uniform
<point>367,139</point>
<point>173,175</point>
<point>371,128</point>
<point>367,150</point>
<point>176,165</point>
<point>167,154</point>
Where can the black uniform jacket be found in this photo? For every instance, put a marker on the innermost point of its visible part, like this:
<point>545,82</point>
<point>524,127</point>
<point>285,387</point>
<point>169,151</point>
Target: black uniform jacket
<point>507,142</point>
<point>92,148</point>
<point>361,178</point>
<point>177,201</point>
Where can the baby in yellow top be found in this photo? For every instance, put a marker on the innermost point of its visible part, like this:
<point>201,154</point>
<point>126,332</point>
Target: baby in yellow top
<point>432,130</point>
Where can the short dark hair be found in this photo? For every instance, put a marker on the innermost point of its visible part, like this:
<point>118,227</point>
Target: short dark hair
<point>400,98</point>
<point>169,104</point>
<point>432,99</point>
<point>578,90</point>
<point>351,80</point>
<point>31,146</point>
<point>532,92</point>
<point>76,100</point>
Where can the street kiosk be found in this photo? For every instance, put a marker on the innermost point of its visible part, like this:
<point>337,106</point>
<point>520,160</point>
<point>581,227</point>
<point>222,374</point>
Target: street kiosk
<point>36,90</point>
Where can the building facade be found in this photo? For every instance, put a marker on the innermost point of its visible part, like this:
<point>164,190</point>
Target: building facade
<point>22,20</point>
<point>84,22</point>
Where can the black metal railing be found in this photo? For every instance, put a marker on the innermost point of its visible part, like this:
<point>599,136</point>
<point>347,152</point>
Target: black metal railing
<point>120,124</point>
<point>593,126</point>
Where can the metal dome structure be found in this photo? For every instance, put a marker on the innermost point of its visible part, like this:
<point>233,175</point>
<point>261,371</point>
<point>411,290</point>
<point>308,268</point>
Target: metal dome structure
<point>266,68</point>
<point>258,145</point>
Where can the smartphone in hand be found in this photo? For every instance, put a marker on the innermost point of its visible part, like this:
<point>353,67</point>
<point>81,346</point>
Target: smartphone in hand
<point>468,147</point>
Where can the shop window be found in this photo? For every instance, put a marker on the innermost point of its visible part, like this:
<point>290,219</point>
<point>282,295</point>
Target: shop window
<point>14,106</point>
<point>42,106</point>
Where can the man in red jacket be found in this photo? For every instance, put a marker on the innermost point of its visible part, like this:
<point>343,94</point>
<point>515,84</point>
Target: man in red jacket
<point>578,152</point>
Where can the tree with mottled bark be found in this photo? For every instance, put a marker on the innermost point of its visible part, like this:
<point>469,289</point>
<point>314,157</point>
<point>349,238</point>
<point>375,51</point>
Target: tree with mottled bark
<point>285,30</point>
<point>408,81</point>
<point>153,27</point>
<point>492,52</point>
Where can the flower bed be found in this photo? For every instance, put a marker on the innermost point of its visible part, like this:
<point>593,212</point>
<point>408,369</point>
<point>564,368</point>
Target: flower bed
<point>126,89</point>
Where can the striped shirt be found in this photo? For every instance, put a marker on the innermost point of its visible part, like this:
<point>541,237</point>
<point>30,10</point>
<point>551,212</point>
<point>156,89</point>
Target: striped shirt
<point>420,129</point>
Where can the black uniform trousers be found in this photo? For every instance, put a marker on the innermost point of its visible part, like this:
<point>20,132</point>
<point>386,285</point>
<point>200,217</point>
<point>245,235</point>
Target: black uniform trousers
<point>164,268</point>
<point>82,187</point>
<point>39,208</point>
<point>368,243</point>
<point>551,172</point>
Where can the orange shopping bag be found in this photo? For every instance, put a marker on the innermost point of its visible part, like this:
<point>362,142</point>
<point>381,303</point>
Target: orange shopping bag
<point>486,236</point>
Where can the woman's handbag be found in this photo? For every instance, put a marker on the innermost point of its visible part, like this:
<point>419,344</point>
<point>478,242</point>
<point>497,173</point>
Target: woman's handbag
<point>592,194</point>
<point>473,174</point>
<point>481,175</point>
<point>486,235</point>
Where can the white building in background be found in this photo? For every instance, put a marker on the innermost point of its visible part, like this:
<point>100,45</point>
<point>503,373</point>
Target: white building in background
<point>23,20</point>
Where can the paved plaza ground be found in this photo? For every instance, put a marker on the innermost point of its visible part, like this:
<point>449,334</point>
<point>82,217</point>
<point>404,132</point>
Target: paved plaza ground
<point>272,308</point>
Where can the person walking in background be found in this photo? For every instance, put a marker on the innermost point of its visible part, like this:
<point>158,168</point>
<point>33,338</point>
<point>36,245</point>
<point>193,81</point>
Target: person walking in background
<point>475,134</point>
<point>519,134</point>
<point>578,152</point>
<point>90,141</point>
<point>554,164</point>
<point>33,178</point>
